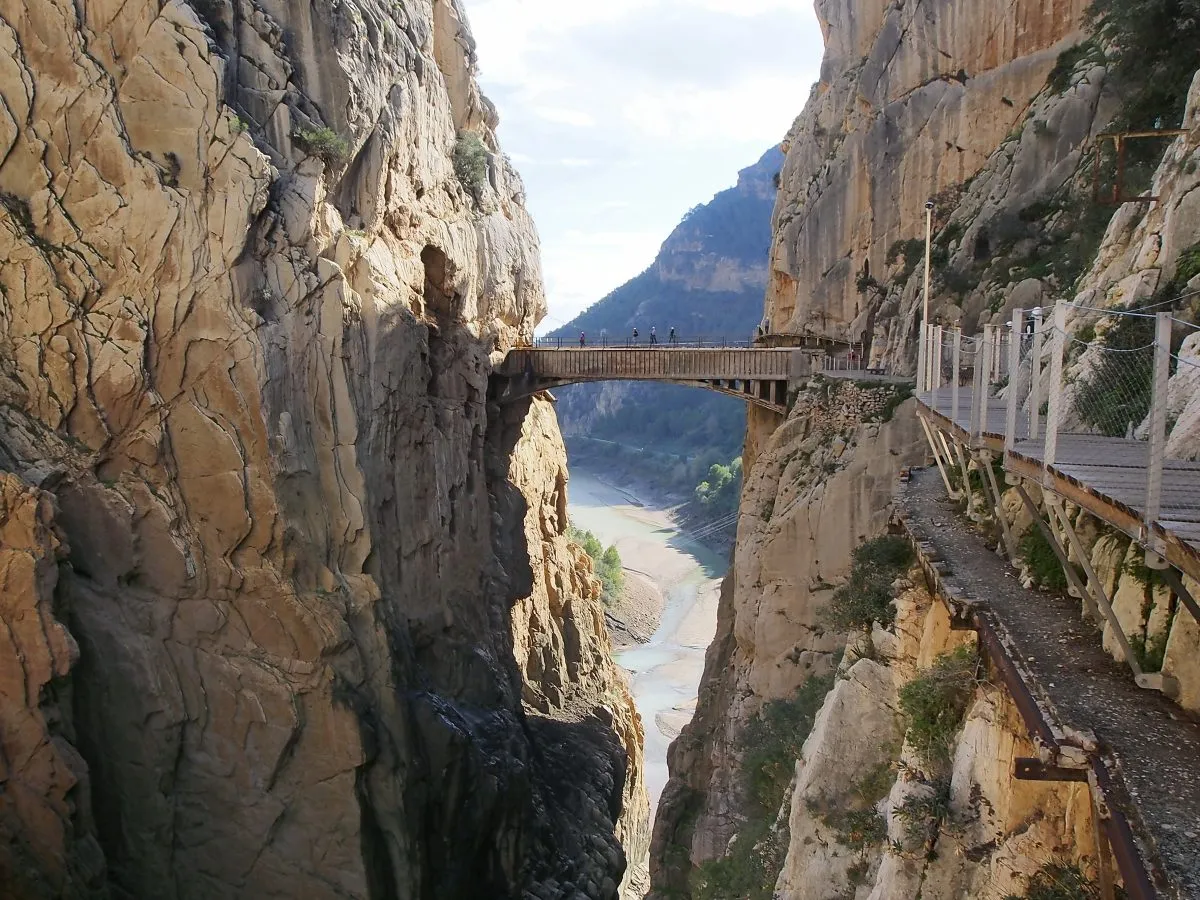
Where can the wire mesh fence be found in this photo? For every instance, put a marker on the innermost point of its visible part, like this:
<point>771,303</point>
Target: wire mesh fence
<point>1109,373</point>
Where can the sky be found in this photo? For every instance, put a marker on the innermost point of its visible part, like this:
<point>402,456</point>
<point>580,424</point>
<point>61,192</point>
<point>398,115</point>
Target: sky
<point>621,115</point>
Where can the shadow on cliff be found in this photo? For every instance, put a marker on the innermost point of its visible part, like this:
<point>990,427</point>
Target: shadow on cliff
<point>578,765</point>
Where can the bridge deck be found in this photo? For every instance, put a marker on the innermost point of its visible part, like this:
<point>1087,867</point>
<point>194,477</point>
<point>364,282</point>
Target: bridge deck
<point>657,363</point>
<point>1107,476</point>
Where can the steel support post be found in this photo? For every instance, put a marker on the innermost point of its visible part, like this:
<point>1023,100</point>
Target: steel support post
<point>978,387</point>
<point>989,351</point>
<point>937,457</point>
<point>994,496</point>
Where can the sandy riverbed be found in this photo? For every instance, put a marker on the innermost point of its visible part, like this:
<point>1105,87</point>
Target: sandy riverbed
<point>665,671</point>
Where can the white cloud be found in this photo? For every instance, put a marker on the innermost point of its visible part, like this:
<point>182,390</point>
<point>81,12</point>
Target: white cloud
<point>625,114</point>
<point>573,117</point>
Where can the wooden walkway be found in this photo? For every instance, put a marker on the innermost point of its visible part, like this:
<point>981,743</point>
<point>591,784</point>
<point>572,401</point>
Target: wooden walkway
<point>1106,476</point>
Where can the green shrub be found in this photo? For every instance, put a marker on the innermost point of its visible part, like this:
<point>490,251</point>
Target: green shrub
<point>1151,653</point>
<point>748,872</point>
<point>1041,560</point>
<point>470,160</point>
<point>325,143</point>
<point>1068,61</point>
<point>866,597</point>
<point>718,495</point>
<point>1059,881</point>
<point>922,814</point>
<point>773,739</point>
<point>1188,266</point>
<point>605,563</point>
<point>934,704</point>
<point>772,742</point>
<point>1155,50</point>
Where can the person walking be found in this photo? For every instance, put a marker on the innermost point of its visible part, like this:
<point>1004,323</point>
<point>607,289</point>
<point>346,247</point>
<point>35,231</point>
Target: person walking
<point>635,335</point>
<point>653,336</point>
<point>582,339</point>
<point>671,336</point>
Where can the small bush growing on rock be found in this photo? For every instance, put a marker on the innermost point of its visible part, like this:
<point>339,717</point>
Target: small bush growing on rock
<point>773,739</point>
<point>922,814</point>
<point>1188,266</point>
<point>1059,881</point>
<point>935,702</point>
<point>866,597</point>
<point>1041,561</point>
<point>325,143</point>
<point>470,160</point>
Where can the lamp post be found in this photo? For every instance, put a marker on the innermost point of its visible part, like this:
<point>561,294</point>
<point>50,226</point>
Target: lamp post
<point>924,375</point>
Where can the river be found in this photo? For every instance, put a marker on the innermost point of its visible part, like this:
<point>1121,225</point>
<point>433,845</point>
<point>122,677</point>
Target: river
<point>665,672</point>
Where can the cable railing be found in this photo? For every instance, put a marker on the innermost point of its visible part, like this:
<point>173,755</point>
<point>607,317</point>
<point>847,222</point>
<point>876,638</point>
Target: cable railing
<point>1081,387</point>
<point>605,341</point>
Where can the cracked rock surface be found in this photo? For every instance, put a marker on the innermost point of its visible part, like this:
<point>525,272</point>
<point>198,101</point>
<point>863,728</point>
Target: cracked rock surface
<point>332,640</point>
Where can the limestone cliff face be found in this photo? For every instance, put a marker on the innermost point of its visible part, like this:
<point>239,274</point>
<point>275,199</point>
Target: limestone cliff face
<point>913,98</point>
<point>819,484</point>
<point>247,314</point>
<point>992,832</point>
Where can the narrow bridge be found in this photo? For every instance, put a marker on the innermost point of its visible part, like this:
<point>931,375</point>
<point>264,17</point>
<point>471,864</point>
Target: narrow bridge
<point>760,376</point>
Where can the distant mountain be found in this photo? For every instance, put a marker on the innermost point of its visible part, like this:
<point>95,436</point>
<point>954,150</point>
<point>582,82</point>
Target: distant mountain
<point>708,280</point>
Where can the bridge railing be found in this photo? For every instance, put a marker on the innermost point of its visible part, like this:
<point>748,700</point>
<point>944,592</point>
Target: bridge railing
<point>641,342</point>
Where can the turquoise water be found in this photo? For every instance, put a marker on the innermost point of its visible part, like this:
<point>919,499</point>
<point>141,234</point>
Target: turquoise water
<point>665,672</point>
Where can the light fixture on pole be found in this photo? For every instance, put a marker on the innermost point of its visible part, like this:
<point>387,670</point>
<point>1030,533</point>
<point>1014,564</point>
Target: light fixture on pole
<point>924,373</point>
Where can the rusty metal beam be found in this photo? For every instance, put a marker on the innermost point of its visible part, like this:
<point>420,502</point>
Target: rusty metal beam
<point>1027,768</point>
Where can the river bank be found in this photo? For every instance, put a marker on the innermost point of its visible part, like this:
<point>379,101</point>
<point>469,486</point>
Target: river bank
<point>665,570</point>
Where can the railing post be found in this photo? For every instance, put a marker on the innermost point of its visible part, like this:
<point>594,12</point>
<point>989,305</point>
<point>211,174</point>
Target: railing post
<point>1054,412</point>
<point>921,350</point>
<point>957,375</point>
<point>1158,429</point>
<point>978,386</point>
<point>1035,379</point>
<point>989,338</point>
<point>997,356</point>
<point>935,369</point>
<point>1014,364</point>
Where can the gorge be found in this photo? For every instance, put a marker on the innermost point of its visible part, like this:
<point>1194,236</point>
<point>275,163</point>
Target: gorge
<point>289,602</point>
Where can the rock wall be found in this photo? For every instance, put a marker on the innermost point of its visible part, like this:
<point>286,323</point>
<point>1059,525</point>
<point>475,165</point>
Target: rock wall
<point>819,484</point>
<point>987,834</point>
<point>965,104</point>
<point>254,284</point>
<point>913,98</point>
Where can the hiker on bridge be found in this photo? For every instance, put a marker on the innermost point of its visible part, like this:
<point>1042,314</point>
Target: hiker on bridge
<point>635,335</point>
<point>671,337</point>
<point>582,339</point>
<point>653,336</point>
